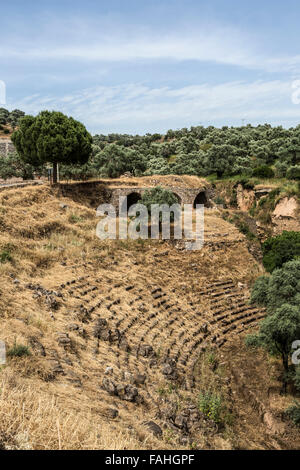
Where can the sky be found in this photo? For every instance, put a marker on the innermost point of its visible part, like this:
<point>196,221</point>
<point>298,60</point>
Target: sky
<point>148,66</point>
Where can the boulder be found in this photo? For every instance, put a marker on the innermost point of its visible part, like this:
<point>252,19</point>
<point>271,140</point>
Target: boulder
<point>111,413</point>
<point>154,428</point>
<point>146,350</point>
<point>109,386</point>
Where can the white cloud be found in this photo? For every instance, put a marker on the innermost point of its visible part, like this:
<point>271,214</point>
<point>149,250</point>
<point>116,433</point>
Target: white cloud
<point>135,106</point>
<point>113,42</point>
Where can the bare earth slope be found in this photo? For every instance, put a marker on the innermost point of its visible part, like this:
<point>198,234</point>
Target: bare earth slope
<point>123,335</point>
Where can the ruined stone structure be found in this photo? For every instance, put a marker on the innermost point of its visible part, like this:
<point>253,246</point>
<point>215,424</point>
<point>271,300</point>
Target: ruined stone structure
<point>6,147</point>
<point>104,191</point>
<point>184,195</point>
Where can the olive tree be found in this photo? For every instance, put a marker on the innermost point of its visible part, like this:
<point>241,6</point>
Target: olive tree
<point>280,294</point>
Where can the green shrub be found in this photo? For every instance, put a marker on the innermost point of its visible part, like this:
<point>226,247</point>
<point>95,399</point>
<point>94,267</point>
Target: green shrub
<point>5,256</point>
<point>263,171</point>
<point>243,228</point>
<point>253,341</point>
<point>219,200</point>
<point>160,196</point>
<point>211,405</point>
<point>293,173</point>
<point>18,350</point>
<point>74,219</point>
<point>281,249</point>
<point>293,413</point>
<point>245,182</point>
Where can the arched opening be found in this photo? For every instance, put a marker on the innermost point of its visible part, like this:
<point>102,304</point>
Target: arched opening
<point>132,198</point>
<point>178,198</point>
<point>200,199</point>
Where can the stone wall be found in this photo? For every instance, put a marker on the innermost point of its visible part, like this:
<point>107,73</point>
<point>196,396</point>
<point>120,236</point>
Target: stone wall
<point>6,147</point>
<point>185,195</point>
<point>99,191</point>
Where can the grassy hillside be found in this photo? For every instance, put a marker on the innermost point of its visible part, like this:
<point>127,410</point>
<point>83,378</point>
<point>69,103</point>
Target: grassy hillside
<point>106,338</point>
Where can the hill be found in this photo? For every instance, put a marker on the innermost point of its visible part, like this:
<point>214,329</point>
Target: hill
<point>125,337</point>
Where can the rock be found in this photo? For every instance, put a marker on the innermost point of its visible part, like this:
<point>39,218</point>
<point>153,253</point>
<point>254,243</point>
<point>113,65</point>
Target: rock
<point>169,412</point>
<point>181,422</point>
<point>139,379</point>
<point>146,350</point>
<point>63,206</point>
<point>123,344</point>
<point>152,363</point>
<point>183,440</point>
<point>74,379</point>
<point>125,392</point>
<point>100,324</point>
<point>110,386</point>
<point>52,302</point>
<point>154,428</point>
<point>108,371</point>
<point>169,369</point>
<point>37,346</point>
<point>128,377</point>
<point>57,368</point>
<point>111,413</point>
<point>286,208</point>
<point>63,339</point>
<point>131,393</point>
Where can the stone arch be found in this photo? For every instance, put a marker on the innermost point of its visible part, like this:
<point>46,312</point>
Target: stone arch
<point>179,198</point>
<point>132,198</point>
<point>200,199</point>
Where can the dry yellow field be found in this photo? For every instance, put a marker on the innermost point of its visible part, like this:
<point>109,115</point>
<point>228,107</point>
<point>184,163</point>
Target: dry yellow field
<point>123,335</point>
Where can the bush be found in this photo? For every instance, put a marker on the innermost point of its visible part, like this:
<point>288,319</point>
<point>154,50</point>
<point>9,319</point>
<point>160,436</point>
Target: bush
<point>253,341</point>
<point>293,413</point>
<point>293,173</point>
<point>220,200</point>
<point>18,350</point>
<point>211,405</point>
<point>5,256</point>
<point>160,196</point>
<point>263,171</point>
<point>281,249</point>
<point>244,181</point>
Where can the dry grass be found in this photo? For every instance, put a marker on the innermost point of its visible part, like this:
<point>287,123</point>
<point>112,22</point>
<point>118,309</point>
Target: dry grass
<point>52,246</point>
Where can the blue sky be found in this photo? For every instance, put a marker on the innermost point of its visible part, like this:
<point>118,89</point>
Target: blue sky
<point>133,66</point>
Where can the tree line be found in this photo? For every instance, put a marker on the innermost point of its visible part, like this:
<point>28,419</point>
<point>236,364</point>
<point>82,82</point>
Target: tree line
<point>262,151</point>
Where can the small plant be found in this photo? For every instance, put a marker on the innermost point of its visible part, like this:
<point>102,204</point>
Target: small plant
<point>293,413</point>
<point>5,256</point>
<point>281,249</point>
<point>18,350</point>
<point>263,171</point>
<point>244,181</point>
<point>211,405</point>
<point>74,219</point>
<point>219,200</point>
<point>243,228</point>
